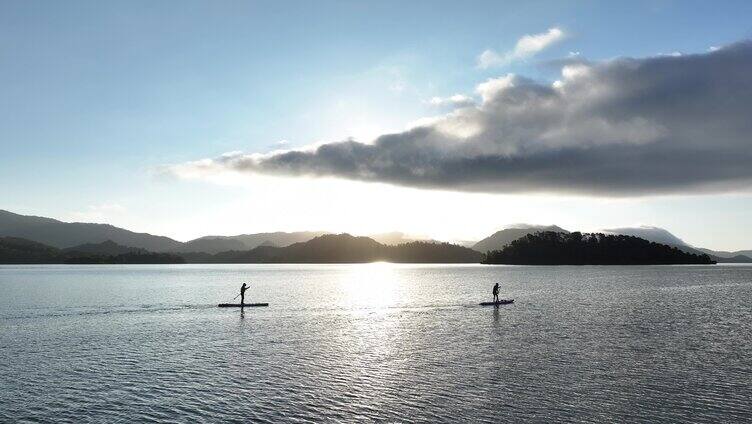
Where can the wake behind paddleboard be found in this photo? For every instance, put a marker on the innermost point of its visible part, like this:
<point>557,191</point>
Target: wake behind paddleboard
<point>238,305</point>
<point>500,302</point>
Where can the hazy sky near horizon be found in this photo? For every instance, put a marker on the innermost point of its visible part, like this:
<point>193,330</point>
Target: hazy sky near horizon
<point>195,118</point>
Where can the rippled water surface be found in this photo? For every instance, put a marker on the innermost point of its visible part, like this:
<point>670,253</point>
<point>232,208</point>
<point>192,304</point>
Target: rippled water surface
<point>375,342</point>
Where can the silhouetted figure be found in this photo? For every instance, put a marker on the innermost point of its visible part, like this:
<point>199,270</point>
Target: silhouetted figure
<point>243,288</point>
<point>495,292</point>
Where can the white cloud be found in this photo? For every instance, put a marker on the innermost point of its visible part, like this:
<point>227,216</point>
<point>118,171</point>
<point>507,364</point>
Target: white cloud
<point>527,46</point>
<point>661,124</point>
<point>493,86</point>
<point>457,100</point>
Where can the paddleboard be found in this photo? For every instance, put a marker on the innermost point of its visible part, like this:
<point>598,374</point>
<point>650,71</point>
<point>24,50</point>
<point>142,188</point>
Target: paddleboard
<point>238,305</point>
<point>500,302</point>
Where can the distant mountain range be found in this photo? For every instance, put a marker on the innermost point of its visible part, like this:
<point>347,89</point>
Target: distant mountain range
<point>660,235</point>
<point>64,234</point>
<point>654,234</point>
<point>15,250</point>
<point>216,244</point>
<point>503,238</point>
<point>329,248</point>
<point>728,255</point>
<point>106,239</point>
<point>344,248</point>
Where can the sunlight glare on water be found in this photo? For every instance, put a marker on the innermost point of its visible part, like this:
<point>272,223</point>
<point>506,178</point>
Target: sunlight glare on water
<point>369,286</point>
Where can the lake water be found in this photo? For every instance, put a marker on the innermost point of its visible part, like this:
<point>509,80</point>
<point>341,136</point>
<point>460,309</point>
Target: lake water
<point>376,342</point>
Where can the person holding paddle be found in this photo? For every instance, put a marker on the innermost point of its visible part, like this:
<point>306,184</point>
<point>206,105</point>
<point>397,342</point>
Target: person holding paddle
<point>243,288</point>
<point>495,292</point>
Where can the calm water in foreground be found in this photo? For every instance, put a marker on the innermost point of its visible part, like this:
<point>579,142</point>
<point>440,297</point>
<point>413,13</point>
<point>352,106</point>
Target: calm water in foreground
<point>376,342</point>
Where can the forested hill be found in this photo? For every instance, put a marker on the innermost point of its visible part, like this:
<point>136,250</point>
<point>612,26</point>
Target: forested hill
<point>15,250</point>
<point>552,248</point>
<point>344,248</point>
<point>330,248</point>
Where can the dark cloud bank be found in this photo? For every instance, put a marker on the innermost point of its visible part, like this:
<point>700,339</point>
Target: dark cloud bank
<point>621,127</point>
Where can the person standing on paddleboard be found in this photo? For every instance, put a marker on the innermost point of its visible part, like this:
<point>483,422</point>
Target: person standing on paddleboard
<point>495,292</point>
<point>243,288</point>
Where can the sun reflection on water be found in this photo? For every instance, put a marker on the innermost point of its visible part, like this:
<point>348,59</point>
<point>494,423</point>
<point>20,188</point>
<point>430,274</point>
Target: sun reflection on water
<point>370,286</point>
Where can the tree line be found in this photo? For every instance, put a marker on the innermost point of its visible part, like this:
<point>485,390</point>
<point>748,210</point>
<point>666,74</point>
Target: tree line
<point>552,248</point>
<point>15,250</point>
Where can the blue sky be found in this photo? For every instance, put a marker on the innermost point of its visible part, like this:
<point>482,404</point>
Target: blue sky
<point>97,95</point>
